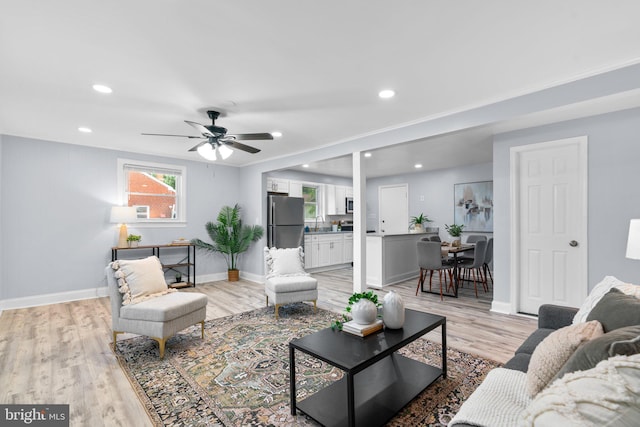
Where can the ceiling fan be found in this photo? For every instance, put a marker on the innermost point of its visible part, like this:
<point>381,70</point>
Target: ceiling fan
<point>217,141</point>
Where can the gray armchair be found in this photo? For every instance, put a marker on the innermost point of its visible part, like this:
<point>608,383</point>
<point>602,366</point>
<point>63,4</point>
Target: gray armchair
<point>159,318</point>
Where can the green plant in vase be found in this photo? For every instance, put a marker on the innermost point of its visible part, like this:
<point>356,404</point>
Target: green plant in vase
<point>455,231</point>
<point>134,240</point>
<point>418,222</point>
<point>230,238</point>
<point>353,299</point>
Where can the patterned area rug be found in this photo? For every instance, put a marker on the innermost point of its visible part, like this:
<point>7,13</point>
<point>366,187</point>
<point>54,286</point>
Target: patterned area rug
<point>239,374</point>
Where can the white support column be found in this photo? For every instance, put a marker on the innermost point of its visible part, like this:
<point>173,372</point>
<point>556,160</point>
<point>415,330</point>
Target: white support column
<point>359,223</point>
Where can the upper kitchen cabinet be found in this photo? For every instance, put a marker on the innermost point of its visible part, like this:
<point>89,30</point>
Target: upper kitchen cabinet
<point>336,198</point>
<point>278,185</point>
<point>295,189</point>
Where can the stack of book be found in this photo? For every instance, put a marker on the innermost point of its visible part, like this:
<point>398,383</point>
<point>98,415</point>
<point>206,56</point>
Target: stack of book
<point>362,330</point>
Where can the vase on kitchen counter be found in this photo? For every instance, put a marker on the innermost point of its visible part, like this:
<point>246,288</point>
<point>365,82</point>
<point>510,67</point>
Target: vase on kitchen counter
<point>393,311</point>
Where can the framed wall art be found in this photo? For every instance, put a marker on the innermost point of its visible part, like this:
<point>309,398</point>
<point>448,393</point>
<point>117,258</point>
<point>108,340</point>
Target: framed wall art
<point>473,206</point>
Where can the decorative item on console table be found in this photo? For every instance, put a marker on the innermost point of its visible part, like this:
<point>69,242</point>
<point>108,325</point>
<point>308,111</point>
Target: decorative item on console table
<point>455,231</point>
<point>134,240</point>
<point>230,238</point>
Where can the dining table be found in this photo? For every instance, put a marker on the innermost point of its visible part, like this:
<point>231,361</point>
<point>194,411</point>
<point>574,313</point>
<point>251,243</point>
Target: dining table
<point>453,250</point>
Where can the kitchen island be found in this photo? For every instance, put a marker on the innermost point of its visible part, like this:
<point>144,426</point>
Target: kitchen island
<point>391,258</point>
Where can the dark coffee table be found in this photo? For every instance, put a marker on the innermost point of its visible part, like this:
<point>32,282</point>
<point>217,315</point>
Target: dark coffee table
<point>378,382</point>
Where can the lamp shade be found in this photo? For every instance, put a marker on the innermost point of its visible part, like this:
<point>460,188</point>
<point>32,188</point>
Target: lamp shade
<point>123,214</point>
<point>633,242</point>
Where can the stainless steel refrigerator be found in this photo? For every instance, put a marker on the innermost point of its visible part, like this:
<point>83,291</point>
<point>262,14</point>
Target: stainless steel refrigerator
<point>285,221</point>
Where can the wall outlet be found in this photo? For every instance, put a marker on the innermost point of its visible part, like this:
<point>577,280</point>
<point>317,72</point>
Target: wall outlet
<point>422,198</point>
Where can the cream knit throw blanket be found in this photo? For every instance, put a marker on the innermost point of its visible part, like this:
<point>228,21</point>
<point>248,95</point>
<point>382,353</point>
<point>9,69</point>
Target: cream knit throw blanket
<point>498,401</point>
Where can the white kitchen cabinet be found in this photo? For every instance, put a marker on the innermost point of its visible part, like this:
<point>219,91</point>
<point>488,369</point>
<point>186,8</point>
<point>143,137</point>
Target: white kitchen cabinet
<point>336,198</point>
<point>323,250</point>
<point>278,185</point>
<point>295,189</point>
<point>308,252</point>
<point>348,247</point>
<point>336,249</point>
<point>340,197</point>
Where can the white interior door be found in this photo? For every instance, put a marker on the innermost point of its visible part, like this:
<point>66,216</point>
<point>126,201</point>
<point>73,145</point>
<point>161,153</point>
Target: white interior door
<point>551,224</point>
<point>393,206</point>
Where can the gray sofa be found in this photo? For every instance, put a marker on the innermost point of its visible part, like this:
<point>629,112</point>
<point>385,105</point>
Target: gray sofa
<point>590,369</point>
<point>550,318</point>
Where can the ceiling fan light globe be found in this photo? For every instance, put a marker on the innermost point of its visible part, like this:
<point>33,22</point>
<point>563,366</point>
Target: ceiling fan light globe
<point>225,152</point>
<point>208,152</point>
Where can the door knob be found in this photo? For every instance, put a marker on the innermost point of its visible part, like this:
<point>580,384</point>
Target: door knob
<point>573,243</point>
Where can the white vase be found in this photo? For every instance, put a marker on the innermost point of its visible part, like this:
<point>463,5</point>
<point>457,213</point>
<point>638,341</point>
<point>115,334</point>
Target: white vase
<point>393,311</point>
<point>364,312</point>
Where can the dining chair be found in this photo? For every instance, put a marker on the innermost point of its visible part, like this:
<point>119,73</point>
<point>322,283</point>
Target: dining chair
<point>488,257</point>
<point>475,265</point>
<point>430,260</point>
<point>472,238</point>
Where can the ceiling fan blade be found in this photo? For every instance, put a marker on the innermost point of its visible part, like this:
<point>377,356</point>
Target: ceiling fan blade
<point>242,147</point>
<point>251,136</point>
<point>166,134</point>
<point>195,147</point>
<point>200,128</point>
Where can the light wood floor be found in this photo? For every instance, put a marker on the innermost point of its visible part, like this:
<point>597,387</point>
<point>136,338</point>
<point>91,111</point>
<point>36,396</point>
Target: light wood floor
<point>60,353</point>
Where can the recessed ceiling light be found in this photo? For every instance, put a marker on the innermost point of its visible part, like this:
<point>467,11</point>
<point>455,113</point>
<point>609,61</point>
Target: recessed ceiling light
<point>102,88</point>
<point>417,165</point>
<point>84,129</point>
<point>387,93</point>
<point>276,134</point>
<point>367,154</point>
<point>306,165</point>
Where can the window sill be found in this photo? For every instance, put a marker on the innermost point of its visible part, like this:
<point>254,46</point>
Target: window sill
<point>159,224</point>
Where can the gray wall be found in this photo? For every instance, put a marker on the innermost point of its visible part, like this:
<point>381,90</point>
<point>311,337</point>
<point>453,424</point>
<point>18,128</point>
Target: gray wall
<point>437,189</point>
<point>614,156</point>
<point>54,215</point>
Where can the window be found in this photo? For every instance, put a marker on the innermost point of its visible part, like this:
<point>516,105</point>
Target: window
<point>310,196</point>
<point>155,190</point>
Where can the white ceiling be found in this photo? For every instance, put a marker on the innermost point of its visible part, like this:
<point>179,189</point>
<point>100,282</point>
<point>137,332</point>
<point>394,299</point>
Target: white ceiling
<point>311,70</point>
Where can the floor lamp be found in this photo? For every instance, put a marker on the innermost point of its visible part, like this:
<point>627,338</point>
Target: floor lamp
<point>123,215</point>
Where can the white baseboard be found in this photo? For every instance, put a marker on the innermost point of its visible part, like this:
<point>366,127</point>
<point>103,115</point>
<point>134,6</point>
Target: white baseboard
<point>216,277</point>
<point>257,278</point>
<point>37,300</point>
<point>501,307</point>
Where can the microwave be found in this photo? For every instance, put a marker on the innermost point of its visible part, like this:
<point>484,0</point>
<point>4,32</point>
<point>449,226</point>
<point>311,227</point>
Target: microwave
<point>349,204</point>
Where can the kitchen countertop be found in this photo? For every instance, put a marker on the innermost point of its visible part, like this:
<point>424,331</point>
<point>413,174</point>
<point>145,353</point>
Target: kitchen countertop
<point>325,232</point>
<point>429,233</point>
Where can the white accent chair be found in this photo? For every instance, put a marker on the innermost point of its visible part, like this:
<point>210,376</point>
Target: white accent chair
<point>159,317</point>
<point>286,280</point>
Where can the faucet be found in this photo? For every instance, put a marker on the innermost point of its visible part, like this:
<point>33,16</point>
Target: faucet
<point>319,216</point>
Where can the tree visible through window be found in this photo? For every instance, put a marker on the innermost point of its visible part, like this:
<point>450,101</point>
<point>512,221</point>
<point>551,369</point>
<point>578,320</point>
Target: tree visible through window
<point>310,196</point>
<point>155,190</point>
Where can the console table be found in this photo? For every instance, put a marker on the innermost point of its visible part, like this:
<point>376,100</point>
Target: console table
<point>186,266</point>
<point>378,382</point>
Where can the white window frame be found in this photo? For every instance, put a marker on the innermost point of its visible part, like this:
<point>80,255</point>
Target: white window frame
<point>319,204</point>
<point>181,190</point>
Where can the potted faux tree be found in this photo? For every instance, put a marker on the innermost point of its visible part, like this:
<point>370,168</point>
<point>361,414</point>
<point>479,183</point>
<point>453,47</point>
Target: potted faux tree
<point>418,222</point>
<point>230,238</point>
<point>455,231</point>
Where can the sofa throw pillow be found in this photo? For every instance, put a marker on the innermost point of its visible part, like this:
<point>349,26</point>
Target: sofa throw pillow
<point>285,262</point>
<point>616,310</point>
<point>140,279</point>
<point>554,351</point>
<point>594,296</point>
<point>629,289</point>
<point>607,395</point>
<point>589,354</point>
<point>626,347</point>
